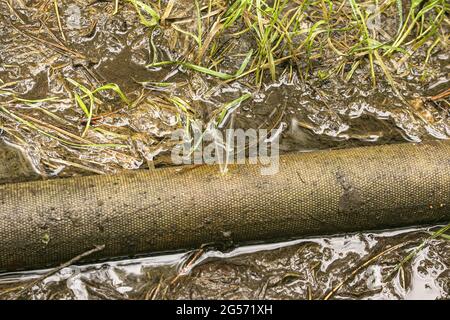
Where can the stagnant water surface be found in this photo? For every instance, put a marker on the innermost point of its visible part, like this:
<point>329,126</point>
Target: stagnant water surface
<point>361,266</point>
<point>314,112</point>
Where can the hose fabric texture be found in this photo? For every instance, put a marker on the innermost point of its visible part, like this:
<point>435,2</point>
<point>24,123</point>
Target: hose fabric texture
<point>46,223</point>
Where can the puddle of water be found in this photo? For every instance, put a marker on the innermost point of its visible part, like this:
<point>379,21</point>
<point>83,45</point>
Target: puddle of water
<point>300,269</point>
<point>318,114</point>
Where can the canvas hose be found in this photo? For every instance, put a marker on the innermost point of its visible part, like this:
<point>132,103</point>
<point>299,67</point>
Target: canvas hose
<point>45,223</point>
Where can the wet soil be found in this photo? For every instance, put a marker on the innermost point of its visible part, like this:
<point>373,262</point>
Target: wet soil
<point>302,269</point>
<point>314,113</point>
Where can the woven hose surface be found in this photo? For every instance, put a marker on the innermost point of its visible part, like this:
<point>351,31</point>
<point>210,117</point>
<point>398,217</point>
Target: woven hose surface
<point>48,222</point>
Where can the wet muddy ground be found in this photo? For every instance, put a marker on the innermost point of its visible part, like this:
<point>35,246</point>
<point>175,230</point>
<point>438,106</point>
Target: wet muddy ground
<point>46,133</point>
<point>360,266</point>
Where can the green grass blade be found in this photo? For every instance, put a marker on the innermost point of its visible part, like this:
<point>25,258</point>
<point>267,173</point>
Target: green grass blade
<point>81,104</point>
<point>230,106</point>
<point>141,6</point>
<point>114,87</point>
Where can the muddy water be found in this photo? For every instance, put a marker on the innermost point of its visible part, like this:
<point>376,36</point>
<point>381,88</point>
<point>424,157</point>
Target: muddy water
<point>315,268</point>
<point>315,113</point>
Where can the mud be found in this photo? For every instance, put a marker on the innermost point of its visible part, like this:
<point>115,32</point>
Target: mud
<point>301,269</point>
<point>315,114</point>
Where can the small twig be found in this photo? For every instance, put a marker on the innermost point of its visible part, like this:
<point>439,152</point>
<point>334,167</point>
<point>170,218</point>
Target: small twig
<point>57,47</point>
<point>442,95</point>
<point>75,165</point>
<point>154,291</point>
<point>57,269</point>
<point>50,32</point>
<point>185,269</point>
<point>354,272</point>
<point>55,3</point>
<point>14,11</point>
<point>217,26</point>
<point>167,11</point>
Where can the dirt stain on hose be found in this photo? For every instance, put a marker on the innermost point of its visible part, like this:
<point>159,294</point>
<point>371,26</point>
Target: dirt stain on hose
<point>351,198</point>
